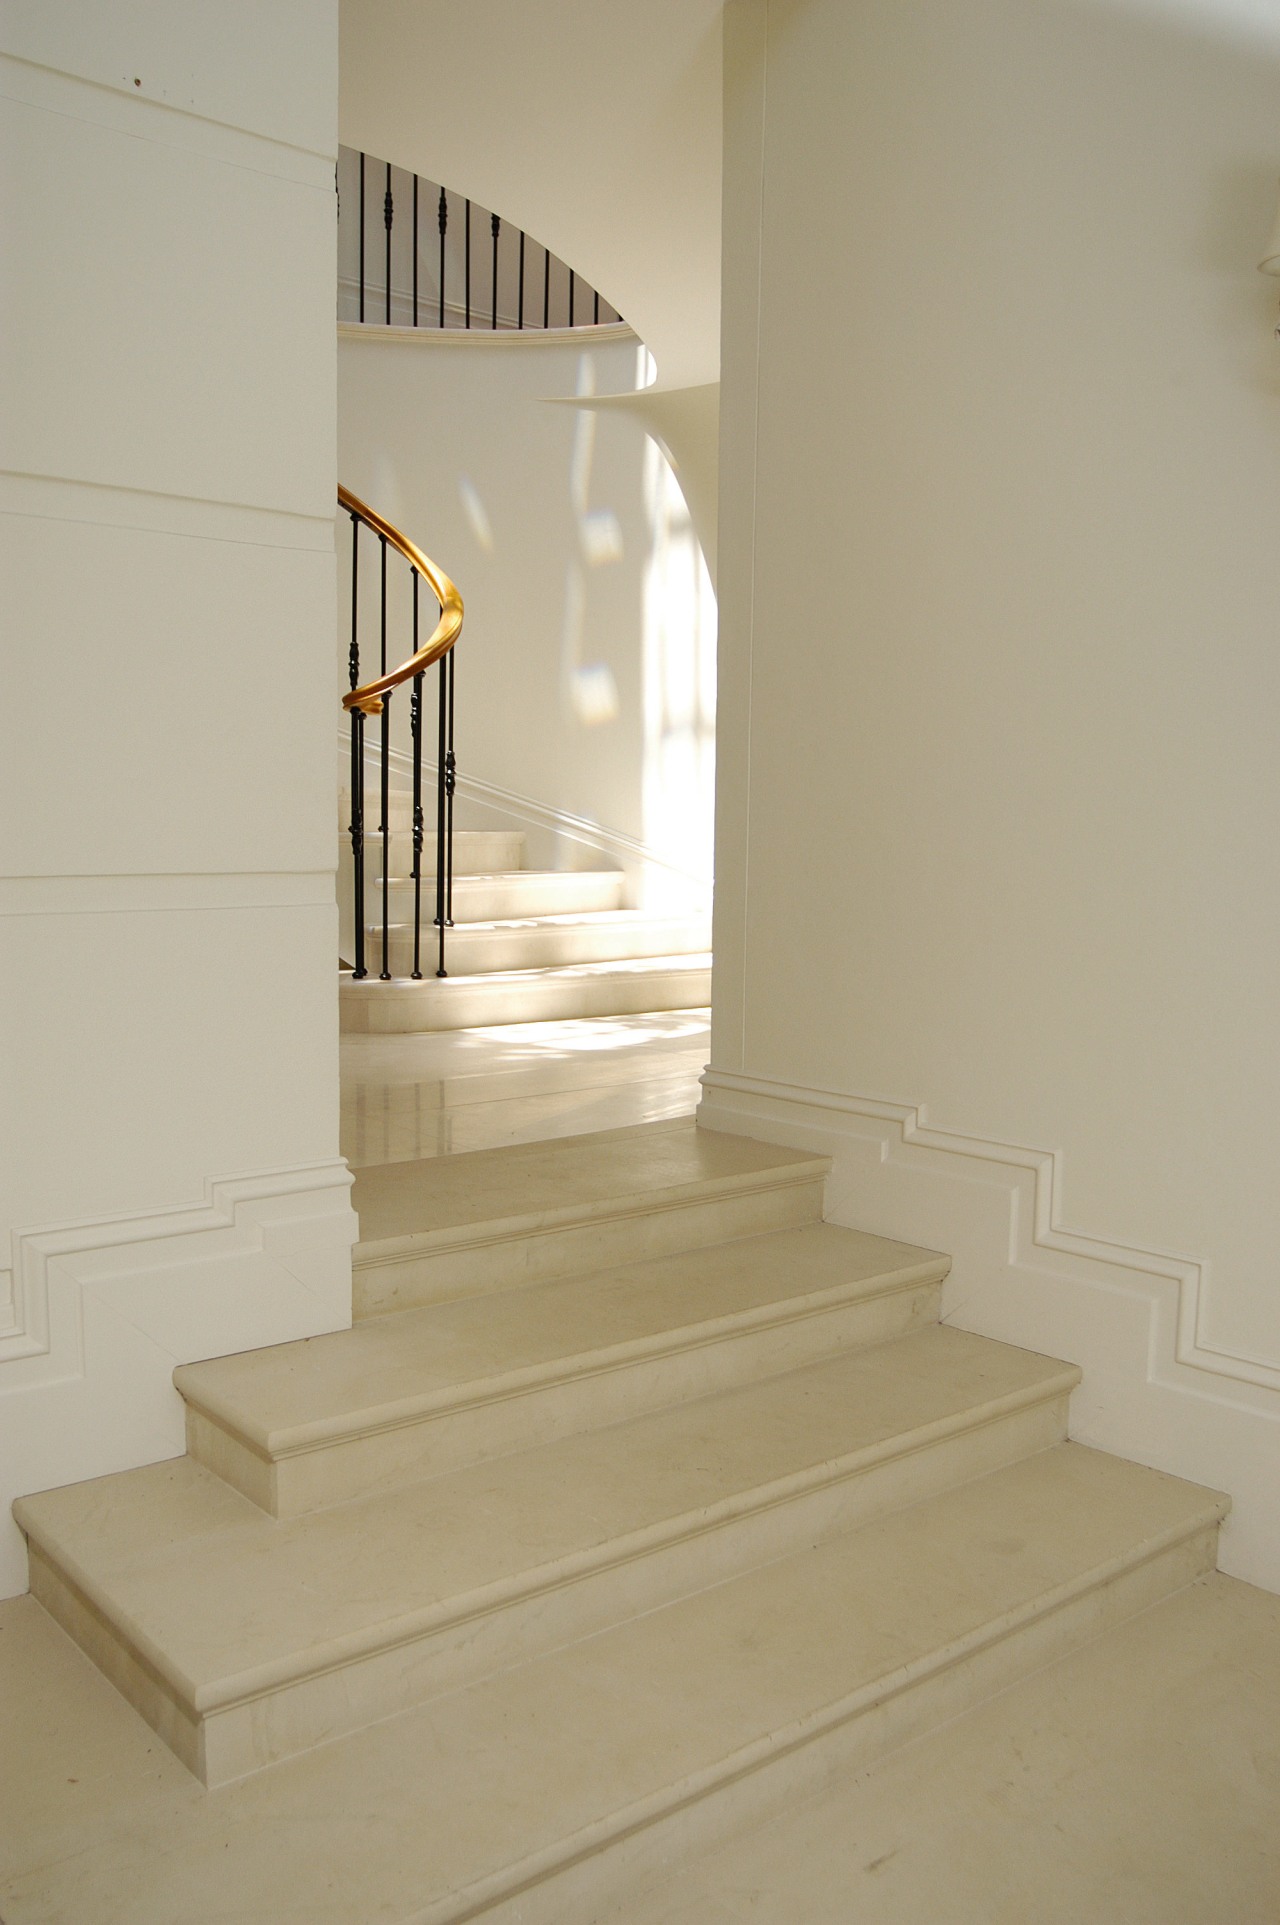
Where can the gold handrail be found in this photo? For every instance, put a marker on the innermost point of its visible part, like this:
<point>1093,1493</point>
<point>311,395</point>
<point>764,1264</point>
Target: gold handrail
<point>368,697</point>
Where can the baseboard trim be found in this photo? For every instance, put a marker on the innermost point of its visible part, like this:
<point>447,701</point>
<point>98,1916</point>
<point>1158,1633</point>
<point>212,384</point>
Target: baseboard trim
<point>102,1311</point>
<point>1132,1317</point>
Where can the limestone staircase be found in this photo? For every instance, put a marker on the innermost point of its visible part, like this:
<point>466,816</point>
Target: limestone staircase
<point>637,1499</point>
<point>526,946</point>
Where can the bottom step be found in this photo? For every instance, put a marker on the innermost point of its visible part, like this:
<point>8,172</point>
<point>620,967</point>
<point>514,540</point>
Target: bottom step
<point>548,1792</point>
<point>525,995</point>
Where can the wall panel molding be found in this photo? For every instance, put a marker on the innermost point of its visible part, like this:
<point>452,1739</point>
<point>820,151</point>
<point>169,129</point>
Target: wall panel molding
<point>99,1313</point>
<point>1154,1389</point>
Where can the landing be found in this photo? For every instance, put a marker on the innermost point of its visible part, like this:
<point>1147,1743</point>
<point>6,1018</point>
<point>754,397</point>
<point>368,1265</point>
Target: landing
<point>411,1096</point>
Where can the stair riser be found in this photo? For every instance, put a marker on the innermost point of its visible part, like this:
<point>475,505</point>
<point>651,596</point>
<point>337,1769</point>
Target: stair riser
<point>126,1669</point>
<point>587,1875</point>
<point>477,853</point>
<point>474,952</point>
<point>534,946</point>
<point>498,898</point>
<point>573,1599</point>
<point>407,1007</point>
<point>433,1269</point>
<point>603,1393</point>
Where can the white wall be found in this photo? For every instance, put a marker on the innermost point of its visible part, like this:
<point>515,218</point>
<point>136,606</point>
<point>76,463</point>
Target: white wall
<point>998,900</point>
<point>171,1183</point>
<point>585,673</point>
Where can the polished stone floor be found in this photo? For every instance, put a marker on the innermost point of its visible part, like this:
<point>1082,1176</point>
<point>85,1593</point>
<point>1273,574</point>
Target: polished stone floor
<point>411,1096</point>
<point>1136,1782</point>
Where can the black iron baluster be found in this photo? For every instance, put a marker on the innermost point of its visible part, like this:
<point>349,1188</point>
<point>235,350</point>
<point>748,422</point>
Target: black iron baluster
<point>595,310</point>
<point>442,217</point>
<point>467,285</point>
<point>386,768</point>
<point>385,975</point>
<point>520,294</point>
<point>387,215</point>
<point>415,731</point>
<point>546,287</point>
<point>415,255</point>
<point>450,782</point>
<point>362,237</point>
<point>572,278</point>
<point>357,761</point>
<point>494,225</point>
<point>440,784</point>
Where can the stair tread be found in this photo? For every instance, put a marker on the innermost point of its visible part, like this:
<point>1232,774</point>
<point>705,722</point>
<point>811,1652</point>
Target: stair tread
<point>474,879</point>
<point>565,1179</point>
<point>538,1775</point>
<point>224,1601</point>
<point>692,963</point>
<point>471,1349</point>
<point>562,919</point>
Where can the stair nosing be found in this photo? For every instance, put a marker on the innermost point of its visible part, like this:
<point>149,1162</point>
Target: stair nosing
<point>532,1581</point>
<point>449,1237</point>
<point>310,1438</point>
<point>534,1867</point>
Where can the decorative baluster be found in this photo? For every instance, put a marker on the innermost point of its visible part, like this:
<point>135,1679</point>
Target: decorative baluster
<point>441,772</point>
<point>387,215</point>
<point>572,279</point>
<point>450,782</point>
<point>595,310</point>
<point>386,770</point>
<point>442,218</point>
<point>385,975</point>
<point>467,253</point>
<point>494,225</point>
<point>357,761</point>
<point>546,287</point>
<point>362,237</point>
<point>415,259</point>
<point>520,294</point>
<point>415,731</point>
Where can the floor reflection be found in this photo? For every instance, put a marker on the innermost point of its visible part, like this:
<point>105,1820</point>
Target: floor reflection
<point>405,1097</point>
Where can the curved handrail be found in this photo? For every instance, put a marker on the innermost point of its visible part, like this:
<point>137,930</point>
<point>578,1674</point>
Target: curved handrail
<point>368,697</point>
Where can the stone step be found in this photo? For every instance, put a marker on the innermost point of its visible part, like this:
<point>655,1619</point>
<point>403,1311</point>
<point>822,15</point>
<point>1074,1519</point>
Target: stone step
<point>497,897</point>
<point>475,851</point>
<point>406,1396</point>
<point>623,988</point>
<point>538,942</point>
<point>528,1213</point>
<point>244,1640</point>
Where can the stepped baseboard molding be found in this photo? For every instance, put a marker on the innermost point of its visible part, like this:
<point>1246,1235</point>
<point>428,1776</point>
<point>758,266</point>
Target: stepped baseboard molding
<point>525,808</point>
<point>99,1313</point>
<point>1154,1389</point>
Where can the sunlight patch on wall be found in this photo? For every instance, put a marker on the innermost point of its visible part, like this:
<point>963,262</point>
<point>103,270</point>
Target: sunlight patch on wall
<point>679,687</point>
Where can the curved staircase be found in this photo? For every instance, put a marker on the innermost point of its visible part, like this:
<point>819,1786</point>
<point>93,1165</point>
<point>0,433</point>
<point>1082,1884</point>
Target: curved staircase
<point>526,945</point>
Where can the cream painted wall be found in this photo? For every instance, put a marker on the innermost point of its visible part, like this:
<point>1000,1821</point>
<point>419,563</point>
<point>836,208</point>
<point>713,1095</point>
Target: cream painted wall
<point>998,905</point>
<point>171,1181</point>
<point>585,677</point>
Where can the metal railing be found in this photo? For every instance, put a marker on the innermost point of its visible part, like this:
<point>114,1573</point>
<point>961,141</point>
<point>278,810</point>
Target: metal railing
<point>373,698</point>
<point>515,283</point>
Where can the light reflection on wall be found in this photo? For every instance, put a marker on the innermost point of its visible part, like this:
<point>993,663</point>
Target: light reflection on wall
<point>679,640</point>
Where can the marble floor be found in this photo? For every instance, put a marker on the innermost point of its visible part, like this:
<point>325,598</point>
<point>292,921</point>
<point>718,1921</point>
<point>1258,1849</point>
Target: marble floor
<point>411,1096</point>
<point>1136,1782</point>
